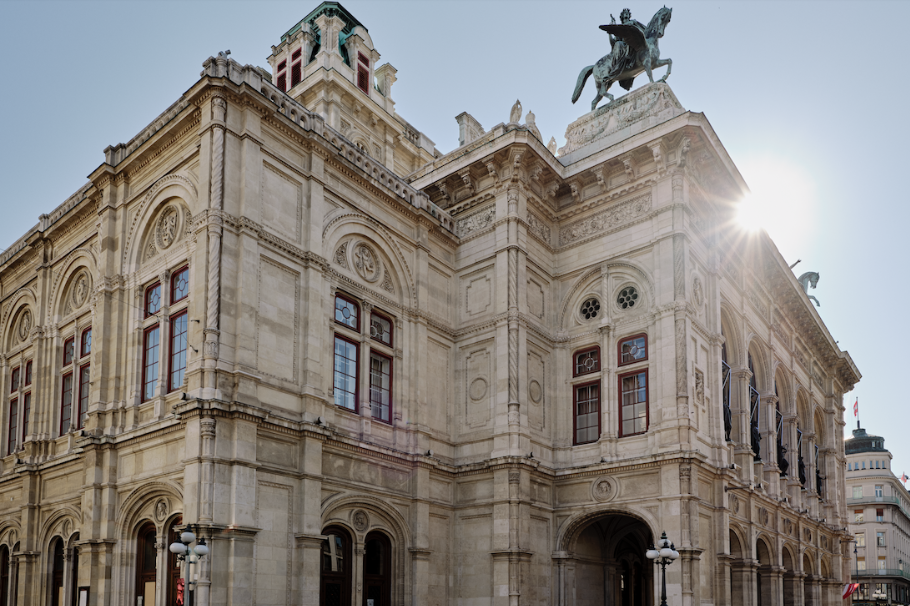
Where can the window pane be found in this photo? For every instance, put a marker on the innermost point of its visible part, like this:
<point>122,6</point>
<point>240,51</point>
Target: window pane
<point>587,361</point>
<point>345,383</point>
<point>66,404</point>
<point>84,379</point>
<point>86,345</point>
<point>26,413</point>
<point>69,347</point>
<point>860,539</point>
<point>153,300</point>
<point>634,409</point>
<point>373,557</point>
<point>150,372</point>
<point>333,554</point>
<point>14,380</point>
<point>28,372</point>
<point>380,387</point>
<point>13,426</point>
<point>587,413</point>
<point>180,285</point>
<point>178,352</point>
<point>346,312</point>
<point>381,329</point>
<point>632,350</point>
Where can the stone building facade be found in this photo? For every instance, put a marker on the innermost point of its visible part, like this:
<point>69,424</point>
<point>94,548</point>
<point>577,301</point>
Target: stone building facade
<point>372,373</point>
<point>877,512</point>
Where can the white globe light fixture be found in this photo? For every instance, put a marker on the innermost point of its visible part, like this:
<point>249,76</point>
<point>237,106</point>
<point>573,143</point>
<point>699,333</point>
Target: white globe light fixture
<point>190,555</point>
<point>663,556</point>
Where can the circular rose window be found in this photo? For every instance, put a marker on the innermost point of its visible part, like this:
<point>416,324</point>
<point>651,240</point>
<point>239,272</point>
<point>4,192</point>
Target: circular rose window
<point>590,308</point>
<point>627,298</point>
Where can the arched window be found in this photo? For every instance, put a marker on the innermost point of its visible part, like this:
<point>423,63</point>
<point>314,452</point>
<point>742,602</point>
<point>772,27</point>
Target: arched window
<point>57,562</point>
<point>754,404</point>
<point>146,563</point>
<point>726,387</point>
<point>782,461</point>
<point>4,574</point>
<point>335,577</point>
<point>377,569</point>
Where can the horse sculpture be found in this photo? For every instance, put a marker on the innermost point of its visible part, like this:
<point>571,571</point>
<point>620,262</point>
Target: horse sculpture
<point>809,280</point>
<point>633,50</point>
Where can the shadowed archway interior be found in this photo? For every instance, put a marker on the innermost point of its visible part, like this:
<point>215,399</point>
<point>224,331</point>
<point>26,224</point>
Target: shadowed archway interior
<point>610,564</point>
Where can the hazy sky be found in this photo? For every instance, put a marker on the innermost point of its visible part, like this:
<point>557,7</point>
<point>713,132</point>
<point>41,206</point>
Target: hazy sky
<point>809,99</point>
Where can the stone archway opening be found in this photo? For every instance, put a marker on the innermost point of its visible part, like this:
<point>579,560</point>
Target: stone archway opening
<point>764,581</point>
<point>607,566</point>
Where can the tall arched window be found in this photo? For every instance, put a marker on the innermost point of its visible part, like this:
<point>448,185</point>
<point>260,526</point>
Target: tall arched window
<point>782,461</point>
<point>4,574</point>
<point>726,388</point>
<point>335,577</point>
<point>146,563</point>
<point>754,405</point>
<point>57,562</point>
<point>377,570</point>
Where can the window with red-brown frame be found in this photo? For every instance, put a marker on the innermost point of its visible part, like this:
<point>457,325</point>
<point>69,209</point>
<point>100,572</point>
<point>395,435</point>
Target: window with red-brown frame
<point>85,379</point>
<point>85,343</point>
<point>66,403</point>
<point>177,360</point>
<point>586,361</point>
<point>586,412</point>
<point>363,73</point>
<point>633,403</point>
<point>282,82</point>
<point>295,74</point>
<point>381,386</point>
<point>150,352</point>
<point>381,328</point>
<point>632,349</point>
<point>152,299</point>
<point>345,373</point>
<point>14,380</point>
<point>347,312</point>
<point>69,351</point>
<point>13,430</point>
<point>180,284</point>
<point>26,412</point>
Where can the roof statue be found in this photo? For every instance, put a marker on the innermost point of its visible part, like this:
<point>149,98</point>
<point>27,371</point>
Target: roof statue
<point>515,114</point>
<point>633,50</point>
<point>809,280</point>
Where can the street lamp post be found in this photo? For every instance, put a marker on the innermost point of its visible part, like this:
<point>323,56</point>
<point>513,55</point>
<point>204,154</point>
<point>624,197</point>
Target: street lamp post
<point>191,555</point>
<point>663,558</point>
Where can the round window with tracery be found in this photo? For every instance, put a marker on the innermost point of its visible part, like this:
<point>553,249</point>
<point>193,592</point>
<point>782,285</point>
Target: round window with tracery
<point>590,308</point>
<point>627,298</point>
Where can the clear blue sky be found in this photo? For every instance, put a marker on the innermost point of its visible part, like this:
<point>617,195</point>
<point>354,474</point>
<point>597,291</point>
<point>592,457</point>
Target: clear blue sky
<point>809,99</point>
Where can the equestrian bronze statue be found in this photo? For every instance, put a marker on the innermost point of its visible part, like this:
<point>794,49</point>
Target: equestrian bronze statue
<point>633,50</point>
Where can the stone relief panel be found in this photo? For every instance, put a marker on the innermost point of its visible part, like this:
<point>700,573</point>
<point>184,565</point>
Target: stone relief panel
<point>172,224</point>
<point>366,262</point>
<point>478,392</point>
<point>278,320</point>
<point>80,289</point>
<point>24,326</point>
<point>538,228</point>
<point>536,389</point>
<point>475,222</point>
<point>282,202</point>
<point>478,294</point>
<point>605,220</point>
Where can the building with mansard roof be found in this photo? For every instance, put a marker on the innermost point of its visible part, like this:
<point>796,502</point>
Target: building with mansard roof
<point>368,372</point>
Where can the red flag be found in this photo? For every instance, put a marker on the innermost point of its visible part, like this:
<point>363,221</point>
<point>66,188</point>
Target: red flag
<point>904,477</point>
<point>856,408</point>
<point>849,588</point>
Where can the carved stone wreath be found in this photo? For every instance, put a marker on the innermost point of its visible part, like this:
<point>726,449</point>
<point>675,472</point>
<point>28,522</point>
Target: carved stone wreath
<point>166,229</point>
<point>366,263</point>
<point>360,520</point>
<point>80,290</point>
<point>603,489</point>
<point>25,324</point>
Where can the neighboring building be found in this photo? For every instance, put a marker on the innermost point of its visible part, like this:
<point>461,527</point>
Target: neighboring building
<point>877,510</point>
<point>372,373</point>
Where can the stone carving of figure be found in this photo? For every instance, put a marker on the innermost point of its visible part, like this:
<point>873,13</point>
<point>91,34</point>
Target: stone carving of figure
<point>168,228</point>
<point>532,125</point>
<point>552,145</point>
<point>622,56</point>
<point>515,115</point>
<point>81,290</point>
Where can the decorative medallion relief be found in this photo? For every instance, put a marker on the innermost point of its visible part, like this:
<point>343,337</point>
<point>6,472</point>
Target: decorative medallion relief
<point>360,520</point>
<point>161,510</point>
<point>366,263</point>
<point>25,324</point>
<point>603,489</point>
<point>173,223</point>
<point>82,286</point>
<point>535,391</point>
<point>478,389</point>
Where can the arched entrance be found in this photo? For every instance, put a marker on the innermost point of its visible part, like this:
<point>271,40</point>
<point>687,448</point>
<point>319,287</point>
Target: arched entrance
<point>791,596</point>
<point>810,593</point>
<point>57,563</point>
<point>607,565</point>
<point>4,575</point>
<point>739,572</point>
<point>146,563</point>
<point>377,570</point>
<point>764,581</point>
<point>336,564</point>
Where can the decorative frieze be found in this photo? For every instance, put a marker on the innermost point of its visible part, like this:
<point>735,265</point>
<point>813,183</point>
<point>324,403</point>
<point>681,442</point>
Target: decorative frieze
<point>475,222</point>
<point>538,228</point>
<point>606,219</point>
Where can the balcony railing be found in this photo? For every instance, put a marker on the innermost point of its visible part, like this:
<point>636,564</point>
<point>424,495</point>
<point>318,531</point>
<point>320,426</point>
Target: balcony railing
<point>880,572</point>
<point>871,500</point>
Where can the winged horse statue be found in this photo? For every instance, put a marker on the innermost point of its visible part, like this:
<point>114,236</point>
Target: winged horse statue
<point>633,50</point>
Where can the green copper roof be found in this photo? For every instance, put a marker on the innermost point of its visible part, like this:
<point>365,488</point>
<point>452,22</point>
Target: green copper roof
<point>331,9</point>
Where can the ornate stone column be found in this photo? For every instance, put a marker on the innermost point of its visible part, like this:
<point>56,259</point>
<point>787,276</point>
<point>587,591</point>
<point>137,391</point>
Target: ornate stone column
<point>514,406</point>
<point>214,230</point>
